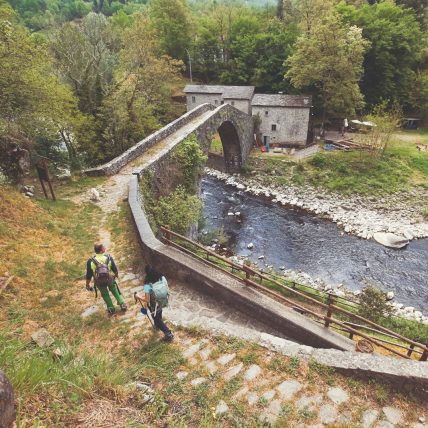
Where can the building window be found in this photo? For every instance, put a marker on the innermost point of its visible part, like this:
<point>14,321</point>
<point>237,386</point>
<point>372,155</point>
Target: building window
<point>222,102</point>
<point>233,103</point>
<point>215,102</point>
<point>266,112</point>
<point>273,127</point>
<point>193,99</point>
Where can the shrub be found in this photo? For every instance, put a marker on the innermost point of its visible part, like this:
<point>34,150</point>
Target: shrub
<point>318,161</point>
<point>373,304</point>
<point>178,210</point>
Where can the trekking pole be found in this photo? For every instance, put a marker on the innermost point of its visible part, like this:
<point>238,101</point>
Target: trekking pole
<point>144,311</point>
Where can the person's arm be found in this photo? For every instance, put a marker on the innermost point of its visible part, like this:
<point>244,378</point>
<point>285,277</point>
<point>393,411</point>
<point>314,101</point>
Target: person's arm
<point>147,289</point>
<point>114,267</point>
<point>89,274</point>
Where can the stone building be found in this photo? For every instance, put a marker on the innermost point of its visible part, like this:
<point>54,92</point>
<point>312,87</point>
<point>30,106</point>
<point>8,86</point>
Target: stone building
<point>238,96</point>
<point>284,119</point>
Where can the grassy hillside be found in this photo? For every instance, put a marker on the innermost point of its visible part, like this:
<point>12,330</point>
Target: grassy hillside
<point>44,246</point>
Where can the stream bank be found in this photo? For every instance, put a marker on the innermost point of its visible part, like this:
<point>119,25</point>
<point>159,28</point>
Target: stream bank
<point>313,250</point>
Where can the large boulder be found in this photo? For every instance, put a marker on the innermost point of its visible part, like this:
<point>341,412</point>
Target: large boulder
<point>390,240</point>
<point>7,406</point>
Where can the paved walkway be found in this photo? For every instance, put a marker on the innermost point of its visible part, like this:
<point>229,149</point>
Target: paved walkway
<point>187,308</point>
<point>280,394</point>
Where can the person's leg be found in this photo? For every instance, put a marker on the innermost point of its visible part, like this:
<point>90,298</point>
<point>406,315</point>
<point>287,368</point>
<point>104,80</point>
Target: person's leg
<point>107,299</point>
<point>115,291</point>
<point>161,325</point>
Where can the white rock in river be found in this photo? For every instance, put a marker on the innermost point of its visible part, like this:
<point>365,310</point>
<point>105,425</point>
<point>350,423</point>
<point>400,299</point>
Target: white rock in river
<point>390,240</point>
<point>250,246</point>
<point>390,295</point>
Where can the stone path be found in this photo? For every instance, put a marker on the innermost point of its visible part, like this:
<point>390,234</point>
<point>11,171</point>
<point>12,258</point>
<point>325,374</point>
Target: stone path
<point>274,394</point>
<point>187,308</point>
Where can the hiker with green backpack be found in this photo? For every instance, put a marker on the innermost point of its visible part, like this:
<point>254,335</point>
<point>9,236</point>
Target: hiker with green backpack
<point>156,295</point>
<point>103,269</point>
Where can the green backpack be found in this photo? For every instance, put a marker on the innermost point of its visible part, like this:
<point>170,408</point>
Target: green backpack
<point>160,292</point>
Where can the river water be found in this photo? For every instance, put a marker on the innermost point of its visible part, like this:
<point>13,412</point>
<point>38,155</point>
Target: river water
<point>301,241</point>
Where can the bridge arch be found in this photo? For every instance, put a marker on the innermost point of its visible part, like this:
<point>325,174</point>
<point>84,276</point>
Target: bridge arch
<point>236,133</point>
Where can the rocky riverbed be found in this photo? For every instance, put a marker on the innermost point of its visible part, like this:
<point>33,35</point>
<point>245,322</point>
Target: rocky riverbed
<point>311,250</point>
<point>399,214</point>
<point>339,290</point>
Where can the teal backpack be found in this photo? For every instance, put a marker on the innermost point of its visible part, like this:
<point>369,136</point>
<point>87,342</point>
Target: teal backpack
<point>161,293</point>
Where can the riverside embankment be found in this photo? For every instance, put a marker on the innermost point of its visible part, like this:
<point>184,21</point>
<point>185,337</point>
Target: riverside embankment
<point>313,249</point>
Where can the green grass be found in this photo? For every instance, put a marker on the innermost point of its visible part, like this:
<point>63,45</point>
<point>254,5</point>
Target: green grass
<point>70,379</point>
<point>400,168</point>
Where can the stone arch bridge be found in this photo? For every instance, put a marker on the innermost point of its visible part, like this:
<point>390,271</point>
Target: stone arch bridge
<point>235,128</point>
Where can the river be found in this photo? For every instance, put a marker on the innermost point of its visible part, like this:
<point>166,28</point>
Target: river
<point>301,241</point>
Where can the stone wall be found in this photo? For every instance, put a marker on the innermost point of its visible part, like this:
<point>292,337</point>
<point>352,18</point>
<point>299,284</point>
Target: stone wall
<point>200,99</point>
<point>291,124</point>
<point>138,149</point>
<point>236,130</point>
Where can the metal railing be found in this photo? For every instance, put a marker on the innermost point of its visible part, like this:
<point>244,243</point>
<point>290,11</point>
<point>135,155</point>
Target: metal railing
<point>303,302</point>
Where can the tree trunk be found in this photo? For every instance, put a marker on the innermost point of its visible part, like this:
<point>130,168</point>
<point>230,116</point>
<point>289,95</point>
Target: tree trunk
<point>7,405</point>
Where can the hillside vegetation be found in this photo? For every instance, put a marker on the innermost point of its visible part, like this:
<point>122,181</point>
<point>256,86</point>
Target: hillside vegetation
<point>92,380</point>
<point>80,87</point>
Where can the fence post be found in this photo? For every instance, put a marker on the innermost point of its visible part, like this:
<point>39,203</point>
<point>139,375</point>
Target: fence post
<point>330,302</point>
<point>409,352</point>
<point>247,272</point>
<point>424,356</point>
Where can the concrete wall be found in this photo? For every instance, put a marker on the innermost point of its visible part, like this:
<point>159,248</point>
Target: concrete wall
<point>291,124</point>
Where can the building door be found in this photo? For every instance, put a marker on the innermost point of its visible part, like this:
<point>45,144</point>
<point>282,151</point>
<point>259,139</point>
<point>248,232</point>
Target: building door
<point>266,140</point>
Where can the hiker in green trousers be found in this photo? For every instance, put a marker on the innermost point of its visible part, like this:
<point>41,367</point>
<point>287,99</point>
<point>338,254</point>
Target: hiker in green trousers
<point>103,269</point>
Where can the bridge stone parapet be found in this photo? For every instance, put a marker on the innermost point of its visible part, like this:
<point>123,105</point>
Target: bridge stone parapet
<point>116,164</point>
<point>235,129</point>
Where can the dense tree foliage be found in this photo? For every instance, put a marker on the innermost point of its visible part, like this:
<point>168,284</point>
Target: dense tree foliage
<point>35,104</point>
<point>329,55</point>
<point>99,74</point>
<point>395,46</point>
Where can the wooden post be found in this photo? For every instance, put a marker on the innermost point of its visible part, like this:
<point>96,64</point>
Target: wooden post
<point>44,188</point>
<point>424,356</point>
<point>329,310</point>
<point>52,191</point>
<point>409,352</point>
<point>43,173</point>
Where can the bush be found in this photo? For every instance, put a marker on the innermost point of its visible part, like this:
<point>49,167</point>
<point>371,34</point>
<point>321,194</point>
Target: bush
<point>177,211</point>
<point>373,304</point>
<point>318,161</point>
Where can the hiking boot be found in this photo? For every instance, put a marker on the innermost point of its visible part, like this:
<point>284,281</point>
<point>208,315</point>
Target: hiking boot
<point>168,337</point>
<point>123,307</point>
<point>111,311</point>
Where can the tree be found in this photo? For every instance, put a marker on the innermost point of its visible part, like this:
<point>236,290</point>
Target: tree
<point>86,59</point>
<point>172,22</point>
<point>34,103</point>
<point>138,100</point>
<point>330,55</point>
<point>395,43</point>
<point>374,304</point>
